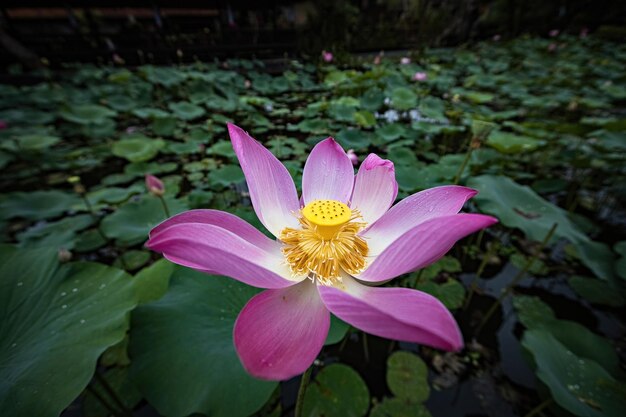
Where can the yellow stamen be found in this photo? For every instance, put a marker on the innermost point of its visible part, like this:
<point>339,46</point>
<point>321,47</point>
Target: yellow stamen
<point>327,243</point>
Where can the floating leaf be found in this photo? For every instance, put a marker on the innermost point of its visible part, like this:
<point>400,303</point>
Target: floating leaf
<point>36,205</point>
<point>132,222</point>
<point>85,114</point>
<point>57,320</point>
<point>581,386</point>
<point>338,391</point>
<point>407,376</point>
<point>187,336</point>
<point>186,111</point>
<point>137,148</point>
<point>596,291</point>
<point>519,206</point>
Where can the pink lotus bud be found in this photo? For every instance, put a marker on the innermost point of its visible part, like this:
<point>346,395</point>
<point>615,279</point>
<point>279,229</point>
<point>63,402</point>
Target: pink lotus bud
<point>118,59</point>
<point>405,60</point>
<point>552,47</point>
<point>327,56</point>
<point>154,185</point>
<point>3,125</point>
<point>353,157</point>
<point>496,38</point>
<point>554,33</point>
<point>420,76</point>
<point>377,60</point>
<point>247,83</point>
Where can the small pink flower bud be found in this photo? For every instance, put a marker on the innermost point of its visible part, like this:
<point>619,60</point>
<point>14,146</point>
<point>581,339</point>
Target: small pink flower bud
<point>405,60</point>
<point>154,185</point>
<point>496,38</point>
<point>327,56</point>
<point>554,33</point>
<point>353,157</point>
<point>420,76</point>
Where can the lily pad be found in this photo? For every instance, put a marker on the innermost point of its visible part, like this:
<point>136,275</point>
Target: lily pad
<point>186,111</point>
<point>36,205</point>
<point>596,291</point>
<point>519,206</point>
<point>581,386</point>
<point>57,320</point>
<point>132,222</point>
<point>403,98</point>
<point>137,148</point>
<point>338,391</point>
<point>407,376</point>
<point>85,114</point>
<point>187,336</point>
<point>510,143</point>
<point>226,175</point>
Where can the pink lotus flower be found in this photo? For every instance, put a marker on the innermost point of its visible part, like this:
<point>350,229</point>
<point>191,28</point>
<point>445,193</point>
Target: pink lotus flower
<point>154,185</point>
<point>353,157</point>
<point>420,76</point>
<point>327,56</point>
<point>405,60</point>
<point>340,234</point>
<point>554,33</point>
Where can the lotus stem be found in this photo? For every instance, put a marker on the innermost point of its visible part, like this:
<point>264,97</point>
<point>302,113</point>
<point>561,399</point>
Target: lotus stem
<point>540,407</point>
<point>164,204</point>
<point>516,279</point>
<point>102,401</point>
<point>112,394</point>
<point>304,382</point>
<point>488,255</point>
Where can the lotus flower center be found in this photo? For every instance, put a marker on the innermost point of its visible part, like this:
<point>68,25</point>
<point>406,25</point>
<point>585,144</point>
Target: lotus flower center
<point>327,243</point>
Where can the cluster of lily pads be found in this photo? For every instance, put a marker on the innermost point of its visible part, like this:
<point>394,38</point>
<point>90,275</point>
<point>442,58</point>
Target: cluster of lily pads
<point>92,319</point>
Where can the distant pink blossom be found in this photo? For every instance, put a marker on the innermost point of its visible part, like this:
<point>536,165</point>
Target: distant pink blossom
<point>154,185</point>
<point>247,83</point>
<point>554,33</point>
<point>496,38</point>
<point>420,76</point>
<point>327,56</point>
<point>342,231</point>
<point>405,60</point>
<point>353,157</point>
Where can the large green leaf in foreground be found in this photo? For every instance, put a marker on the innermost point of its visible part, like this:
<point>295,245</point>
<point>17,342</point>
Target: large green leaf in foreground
<point>519,206</point>
<point>56,321</point>
<point>183,358</point>
<point>581,386</point>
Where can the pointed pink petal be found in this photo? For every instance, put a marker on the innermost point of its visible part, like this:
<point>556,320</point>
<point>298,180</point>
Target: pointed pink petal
<point>210,248</point>
<point>413,210</point>
<point>423,245</point>
<point>394,313</point>
<point>375,188</point>
<point>328,173</point>
<point>279,333</point>
<point>272,190</point>
<point>221,219</point>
